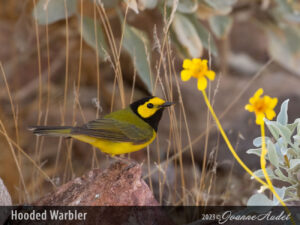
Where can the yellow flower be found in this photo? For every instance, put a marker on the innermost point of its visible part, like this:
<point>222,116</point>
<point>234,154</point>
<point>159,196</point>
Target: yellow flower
<point>197,68</point>
<point>262,106</point>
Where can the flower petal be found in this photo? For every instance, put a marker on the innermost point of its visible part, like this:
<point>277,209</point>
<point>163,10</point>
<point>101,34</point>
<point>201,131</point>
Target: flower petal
<point>210,74</point>
<point>249,107</point>
<point>202,83</point>
<point>273,103</point>
<point>270,102</point>
<point>252,100</point>
<point>258,93</point>
<point>260,118</point>
<point>263,106</point>
<point>186,75</point>
<point>267,99</point>
<point>196,61</point>
<point>270,113</point>
<point>187,63</point>
<point>204,62</point>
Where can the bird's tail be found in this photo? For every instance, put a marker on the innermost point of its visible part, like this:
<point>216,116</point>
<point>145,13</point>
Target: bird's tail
<point>63,131</point>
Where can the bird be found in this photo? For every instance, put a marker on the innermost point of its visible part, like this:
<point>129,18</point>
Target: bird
<point>119,132</point>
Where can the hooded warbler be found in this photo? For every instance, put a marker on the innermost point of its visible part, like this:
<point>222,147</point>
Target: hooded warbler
<point>119,132</point>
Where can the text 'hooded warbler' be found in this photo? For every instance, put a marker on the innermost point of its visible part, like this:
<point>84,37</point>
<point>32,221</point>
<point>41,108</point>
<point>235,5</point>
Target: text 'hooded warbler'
<point>123,131</point>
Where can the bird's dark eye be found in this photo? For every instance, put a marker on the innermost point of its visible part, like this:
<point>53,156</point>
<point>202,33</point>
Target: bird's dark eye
<point>150,105</point>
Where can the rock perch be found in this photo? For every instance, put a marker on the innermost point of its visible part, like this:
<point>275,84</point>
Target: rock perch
<point>119,185</point>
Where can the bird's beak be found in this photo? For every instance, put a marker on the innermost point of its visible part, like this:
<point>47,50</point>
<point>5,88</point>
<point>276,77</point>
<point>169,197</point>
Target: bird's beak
<point>167,104</point>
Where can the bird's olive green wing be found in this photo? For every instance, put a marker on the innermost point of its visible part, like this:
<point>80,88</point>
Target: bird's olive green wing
<point>126,129</point>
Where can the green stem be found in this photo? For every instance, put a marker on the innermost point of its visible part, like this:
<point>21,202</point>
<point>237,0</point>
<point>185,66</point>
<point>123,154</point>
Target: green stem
<point>263,167</point>
<point>233,152</point>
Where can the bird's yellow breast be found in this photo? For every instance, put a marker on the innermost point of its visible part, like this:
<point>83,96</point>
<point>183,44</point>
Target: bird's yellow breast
<point>111,147</point>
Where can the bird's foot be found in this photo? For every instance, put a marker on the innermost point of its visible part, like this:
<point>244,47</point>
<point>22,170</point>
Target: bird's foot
<point>131,162</point>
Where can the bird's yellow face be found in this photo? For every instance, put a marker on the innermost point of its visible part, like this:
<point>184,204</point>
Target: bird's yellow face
<point>150,107</point>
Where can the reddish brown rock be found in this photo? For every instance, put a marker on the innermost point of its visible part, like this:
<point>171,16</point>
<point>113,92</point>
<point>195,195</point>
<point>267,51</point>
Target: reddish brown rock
<point>119,185</point>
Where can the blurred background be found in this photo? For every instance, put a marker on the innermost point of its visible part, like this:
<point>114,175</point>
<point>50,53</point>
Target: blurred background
<point>65,62</point>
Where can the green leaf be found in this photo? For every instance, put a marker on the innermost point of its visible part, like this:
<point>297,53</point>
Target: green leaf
<point>220,25</point>
<point>259,173</point>
<point>284,132</point>
<point>272,153</point>
<point>281,176</point>
<point>89,35</point>
<point>255,151</point>
<point>147,4</point>
<point>257,142</point>
<point>283,150</point>
<point>182,52</point>
<point>206,39</point>
<point>298,125</point>
<point>187,35</point>
<point>282,117</point>
<point>259,200</point>
<point>185,6</point>
<point>280,148</point>
<point>135,43</point>
<point>281,194</point>
<point>284,7</point>
<point>297,139</point>
<point>292,152</point>
<point>292,126</point>
<point>283,46</point>
<point>272,128</point>
<point>55,10</point>
<point>220,4</point>
<point>294,164</point>
<point>294,18</point>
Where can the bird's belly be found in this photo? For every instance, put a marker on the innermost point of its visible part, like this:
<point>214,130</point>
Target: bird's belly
<point>113,148</point>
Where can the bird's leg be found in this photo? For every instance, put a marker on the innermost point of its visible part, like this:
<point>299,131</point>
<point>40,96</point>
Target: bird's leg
<point>123,159</point>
